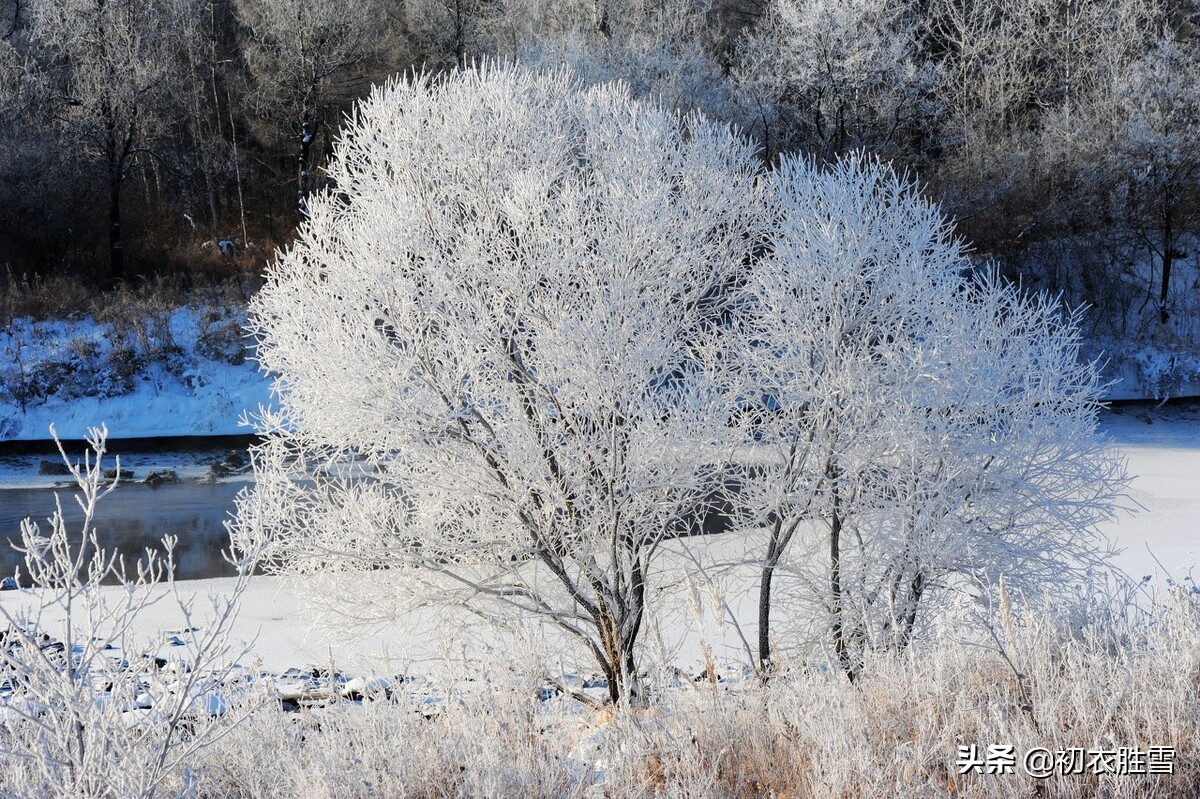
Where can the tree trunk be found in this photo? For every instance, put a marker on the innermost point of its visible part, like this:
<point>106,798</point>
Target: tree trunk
<point>119,143</point>
<point>116,252</point>
<point>460,35</point>
<point>764,622</point>
<point>617,661</point>
<point>837,621</point>
<point>765,666</point>
<point>835,590</point>
<point>619,629</point>
<point>916,588</point>
<point>1168,261</point>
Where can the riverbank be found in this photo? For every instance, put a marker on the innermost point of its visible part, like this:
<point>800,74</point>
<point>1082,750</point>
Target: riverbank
<point>175,371</point>
<point>1161,442</point>
<point>150,369</point>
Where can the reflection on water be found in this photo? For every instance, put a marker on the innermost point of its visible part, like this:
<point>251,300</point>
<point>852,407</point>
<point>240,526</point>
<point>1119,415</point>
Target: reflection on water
<point>134,518</point>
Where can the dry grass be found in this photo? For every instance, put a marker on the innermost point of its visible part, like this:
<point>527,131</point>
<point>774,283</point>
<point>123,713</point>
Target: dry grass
<point>809,734</point>
<point>66,297</point>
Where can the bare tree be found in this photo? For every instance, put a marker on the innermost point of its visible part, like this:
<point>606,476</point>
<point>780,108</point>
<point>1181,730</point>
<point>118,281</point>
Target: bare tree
<point>210,136</point>
<point>666,50</point>
<point>36,167</point>
<point>115,70</point>
<point>830,77</point>
<point>90,713</point>
<point>515,394</point>
<point>305,58</point>
<point>1110,168</point>
<point>453,32</point>
<point>1158,152</point>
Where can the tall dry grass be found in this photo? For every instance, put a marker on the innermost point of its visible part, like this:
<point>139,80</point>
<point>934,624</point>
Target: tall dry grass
<point>60,297</point>
<point>1043,680</point>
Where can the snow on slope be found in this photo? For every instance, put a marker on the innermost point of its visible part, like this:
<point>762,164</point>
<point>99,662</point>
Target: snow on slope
<point>167,409</point>
<point>196,379</point>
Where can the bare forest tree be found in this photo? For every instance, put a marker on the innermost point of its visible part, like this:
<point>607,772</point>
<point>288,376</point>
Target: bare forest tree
<point>89,712</point>
<point>305,59</point>
<point>455,32</point>
<point>1032,120</point>
<point>113,69</point>
<point>1158,153</point>
<point>830,77</point>
<point>204,90</point>
<point>35,163</point>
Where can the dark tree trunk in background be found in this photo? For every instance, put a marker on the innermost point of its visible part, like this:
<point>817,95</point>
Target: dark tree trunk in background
<point>116,251</point>
<point>1168,261</point>
<point>303,185</point>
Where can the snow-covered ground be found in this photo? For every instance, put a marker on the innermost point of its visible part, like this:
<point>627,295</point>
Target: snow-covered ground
<point>1161,539</point>
<point>1163,449</point>
<point>1145,371</point>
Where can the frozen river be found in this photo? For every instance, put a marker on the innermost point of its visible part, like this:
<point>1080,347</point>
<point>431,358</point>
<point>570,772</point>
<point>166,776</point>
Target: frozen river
<point>1162,445</point>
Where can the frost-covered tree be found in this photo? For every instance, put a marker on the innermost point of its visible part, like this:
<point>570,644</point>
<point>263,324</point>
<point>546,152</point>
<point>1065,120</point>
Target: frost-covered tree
<point>496,341</point>
<point>830,77</point>
<point>921,427</point>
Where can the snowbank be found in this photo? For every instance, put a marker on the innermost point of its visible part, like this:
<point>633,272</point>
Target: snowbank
<point>191,375</point>
<point>1147,371</point>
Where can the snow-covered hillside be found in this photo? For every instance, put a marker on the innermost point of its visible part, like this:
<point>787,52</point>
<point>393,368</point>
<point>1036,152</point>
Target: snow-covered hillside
<point>189,372</point>
<point>192,373</point>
